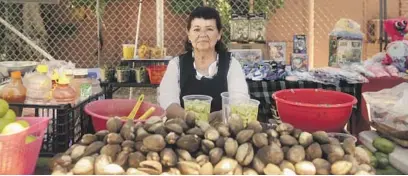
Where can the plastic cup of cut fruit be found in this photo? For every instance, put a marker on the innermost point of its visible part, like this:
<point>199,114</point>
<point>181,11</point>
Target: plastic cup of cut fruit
<point>231,97</point>
<point>128,51</point>
<point>246,109</point>
<point>200,105</point>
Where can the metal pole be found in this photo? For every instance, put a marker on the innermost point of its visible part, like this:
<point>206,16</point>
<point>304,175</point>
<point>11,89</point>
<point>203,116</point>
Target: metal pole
<point>381,25</point>
<point>159,23</point>
<point>98,31</point>
<point>138,27</point>
<point>385,18</point>
<point>311,33</point>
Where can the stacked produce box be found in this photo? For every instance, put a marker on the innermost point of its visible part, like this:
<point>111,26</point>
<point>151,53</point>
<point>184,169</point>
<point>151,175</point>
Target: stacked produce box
<point>177,146</point>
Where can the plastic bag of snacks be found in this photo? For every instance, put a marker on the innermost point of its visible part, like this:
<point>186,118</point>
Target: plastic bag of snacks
<point>388,106</point>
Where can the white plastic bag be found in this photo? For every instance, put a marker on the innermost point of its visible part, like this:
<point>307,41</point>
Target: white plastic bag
<point>389,106</point>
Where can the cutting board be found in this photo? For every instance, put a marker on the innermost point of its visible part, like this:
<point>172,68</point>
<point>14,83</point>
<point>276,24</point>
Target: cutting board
<point>398,158</point>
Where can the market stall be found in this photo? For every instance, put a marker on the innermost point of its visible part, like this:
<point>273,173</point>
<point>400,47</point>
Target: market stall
<point>293,122</point>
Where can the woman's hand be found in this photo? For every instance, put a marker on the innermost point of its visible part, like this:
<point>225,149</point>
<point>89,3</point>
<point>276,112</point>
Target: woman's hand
<point>175,111</point>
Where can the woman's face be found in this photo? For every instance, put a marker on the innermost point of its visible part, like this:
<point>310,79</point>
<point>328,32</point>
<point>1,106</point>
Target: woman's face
<point>203,34</point>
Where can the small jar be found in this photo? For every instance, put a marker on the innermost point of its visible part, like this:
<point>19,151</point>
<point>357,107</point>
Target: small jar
<point>122,74</point>
<point>81,83</point>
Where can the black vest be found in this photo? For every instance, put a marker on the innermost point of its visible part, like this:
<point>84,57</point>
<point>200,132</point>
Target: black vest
<point>189,84</point>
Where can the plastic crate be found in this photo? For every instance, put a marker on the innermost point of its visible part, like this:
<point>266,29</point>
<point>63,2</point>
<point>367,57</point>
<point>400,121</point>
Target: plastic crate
<point>156,73</point>
<point>67,124</point>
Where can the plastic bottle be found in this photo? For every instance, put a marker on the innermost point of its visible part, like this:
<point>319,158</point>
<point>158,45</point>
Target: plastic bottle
<point>54,78</point>
<point>81,83</point>
<point>14,92</point>
<point>63,92</point>
<point>96,87</point>
<point>39,86</point>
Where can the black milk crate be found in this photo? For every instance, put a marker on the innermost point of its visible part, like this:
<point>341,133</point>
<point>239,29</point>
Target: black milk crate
<point>66,126</point>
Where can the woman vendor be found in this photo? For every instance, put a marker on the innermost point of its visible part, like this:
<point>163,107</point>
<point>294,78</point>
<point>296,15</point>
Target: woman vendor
<point>206,67</point>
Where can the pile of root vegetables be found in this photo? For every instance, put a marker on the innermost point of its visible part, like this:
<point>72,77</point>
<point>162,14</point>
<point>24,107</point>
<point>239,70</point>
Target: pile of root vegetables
<point>177,146</point>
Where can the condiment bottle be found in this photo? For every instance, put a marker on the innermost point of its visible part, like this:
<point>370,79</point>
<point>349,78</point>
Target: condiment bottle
<point>63,92</point>
<point>14,92</point>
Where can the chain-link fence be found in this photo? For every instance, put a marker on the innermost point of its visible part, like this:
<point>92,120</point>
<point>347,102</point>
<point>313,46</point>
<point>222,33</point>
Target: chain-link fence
<point>68,30</point>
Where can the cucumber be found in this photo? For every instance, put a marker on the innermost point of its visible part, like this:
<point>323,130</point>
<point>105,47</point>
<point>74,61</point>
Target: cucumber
<point>389,170</point>
<point>368,151</point>
<point>382,160</point>
<point>383,145</point>
<point>373,161</point>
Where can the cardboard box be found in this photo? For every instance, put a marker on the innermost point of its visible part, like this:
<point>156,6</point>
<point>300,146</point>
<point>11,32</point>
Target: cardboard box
<point>344,50</point>
<point>262,47</point>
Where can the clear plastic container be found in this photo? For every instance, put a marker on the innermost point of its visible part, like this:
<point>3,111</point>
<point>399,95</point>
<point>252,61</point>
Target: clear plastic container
<point>63,92</point>
<point>228,98</point>
<point>199,104</point>
<point>69,73</point>
<point>246,109</point>
<point>14,92</point>
<point>39,86</point>
<point>81,83</point>
<point>96,87</point>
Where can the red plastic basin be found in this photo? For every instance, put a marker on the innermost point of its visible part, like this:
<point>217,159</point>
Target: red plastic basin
<point>101,110</point>
<point>314,109</point>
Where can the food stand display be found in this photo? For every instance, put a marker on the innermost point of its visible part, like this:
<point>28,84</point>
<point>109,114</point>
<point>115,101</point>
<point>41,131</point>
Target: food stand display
<point>68,123</point>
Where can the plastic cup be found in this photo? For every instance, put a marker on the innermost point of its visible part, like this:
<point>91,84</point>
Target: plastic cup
<point>227,98</point>
<point>198,104</point>
<point>128,51</point>
<point>247,110</point>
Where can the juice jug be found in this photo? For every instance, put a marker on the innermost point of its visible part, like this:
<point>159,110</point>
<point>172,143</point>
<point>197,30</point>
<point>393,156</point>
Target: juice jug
<point>39,86</point>
<point>14,92</point>
<point>63,92</point>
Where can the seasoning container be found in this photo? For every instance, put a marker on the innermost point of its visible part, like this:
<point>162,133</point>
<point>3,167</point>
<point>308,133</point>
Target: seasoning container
<point>14,92</point>
<point>107,74</point>
<point>140,75</point>
<point>122,74</point>
<point>132,75</point>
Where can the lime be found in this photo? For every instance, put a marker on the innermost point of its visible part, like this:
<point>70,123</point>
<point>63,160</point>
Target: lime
<point>23,122</point>
<point>30,139</point>
<point>12,128</point>
<point>4,123</point>
<point>10,115</point>
<point>4,106</point>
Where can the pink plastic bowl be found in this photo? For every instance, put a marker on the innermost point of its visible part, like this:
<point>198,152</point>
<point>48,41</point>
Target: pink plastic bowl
<point>101,110</point>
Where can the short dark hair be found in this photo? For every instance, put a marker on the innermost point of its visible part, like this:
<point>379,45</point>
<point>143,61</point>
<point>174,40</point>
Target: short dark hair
<point>206,13</point>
